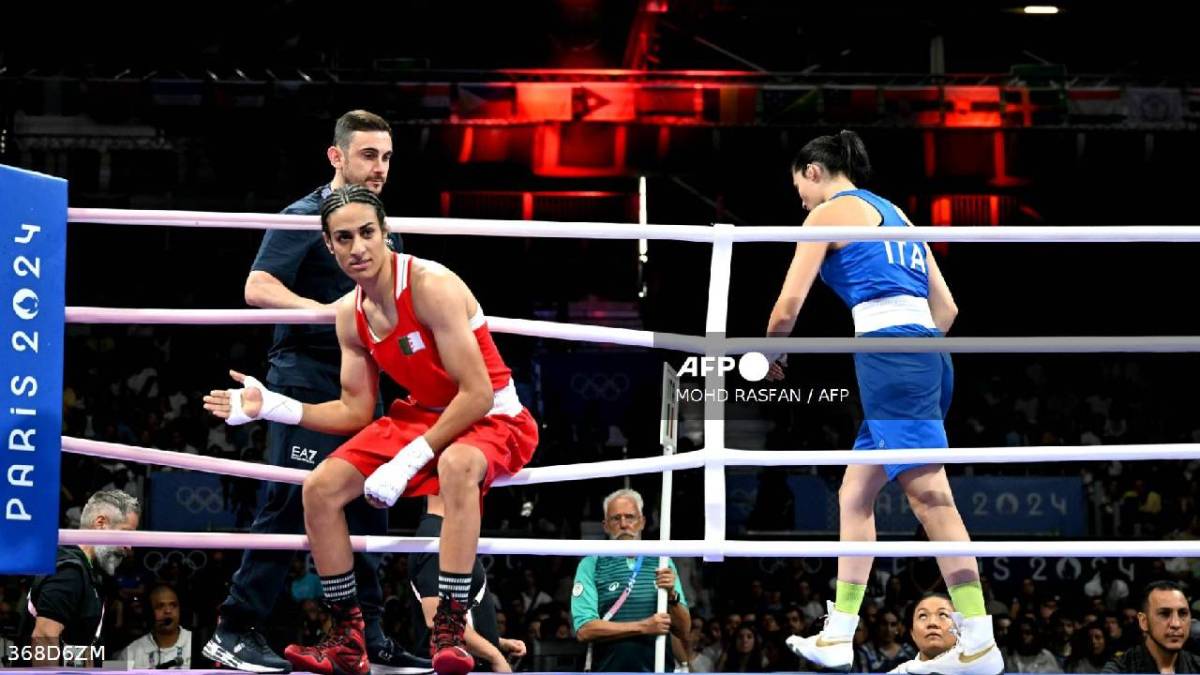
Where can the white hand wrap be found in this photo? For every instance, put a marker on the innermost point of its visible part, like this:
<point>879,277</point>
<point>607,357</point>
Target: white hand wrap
<point>388,482</point>
<point>275,407</point>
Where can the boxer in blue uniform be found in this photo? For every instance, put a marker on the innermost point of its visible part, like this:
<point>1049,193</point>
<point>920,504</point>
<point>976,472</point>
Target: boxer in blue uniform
<point>893,289</point>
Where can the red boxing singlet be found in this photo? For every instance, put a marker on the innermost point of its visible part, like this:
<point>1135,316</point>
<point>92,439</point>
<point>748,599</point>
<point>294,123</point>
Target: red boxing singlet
<point>409,355</point>
<point>507,436</point>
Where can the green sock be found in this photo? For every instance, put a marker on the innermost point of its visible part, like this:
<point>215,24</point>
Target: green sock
<point>849,597</point>
<point>968,599</point>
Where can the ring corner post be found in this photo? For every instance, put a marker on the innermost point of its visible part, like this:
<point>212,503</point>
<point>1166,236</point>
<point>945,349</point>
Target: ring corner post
<point>33,245</point>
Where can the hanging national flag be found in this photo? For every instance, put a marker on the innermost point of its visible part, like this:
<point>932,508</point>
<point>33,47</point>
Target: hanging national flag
<point>486,101</point>
<point>1096,105</point>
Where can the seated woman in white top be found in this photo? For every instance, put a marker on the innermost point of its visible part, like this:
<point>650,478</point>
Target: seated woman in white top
<point>931,628</point>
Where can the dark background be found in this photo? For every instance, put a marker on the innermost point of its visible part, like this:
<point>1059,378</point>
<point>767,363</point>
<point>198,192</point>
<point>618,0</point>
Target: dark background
<point>229,107</point>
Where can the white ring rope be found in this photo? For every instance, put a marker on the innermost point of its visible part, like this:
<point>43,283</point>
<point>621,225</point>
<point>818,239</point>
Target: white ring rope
<point>713,459</point>
<point>241,469</point>
<point>693,233</point>
<point>685,460</point>
<point>969,345</point>
<point>997,455</point>
<point>674,341</point>
<point>192,317</point>
<point>445,226</point>
<point>1008,233</point>
<point>651,547</point>
<point>182,460</point>
<point>527,327</point>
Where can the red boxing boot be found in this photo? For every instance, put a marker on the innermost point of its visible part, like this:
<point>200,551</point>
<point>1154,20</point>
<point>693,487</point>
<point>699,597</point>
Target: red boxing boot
<point>450,656</point>
<point>342,652</point>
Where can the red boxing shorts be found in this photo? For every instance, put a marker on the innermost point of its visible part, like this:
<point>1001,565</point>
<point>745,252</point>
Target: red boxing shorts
<point>507,443</point>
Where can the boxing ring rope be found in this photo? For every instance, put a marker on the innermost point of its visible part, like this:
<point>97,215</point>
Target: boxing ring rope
<point>708,459</point>
<point>714,457</point>
<point>674,341</point>
<point>241,469</point>
<point>694,459</point>
<point>440,226</point>
<point>526,327</point>
<point>692,233</point>
<point>653,547</point>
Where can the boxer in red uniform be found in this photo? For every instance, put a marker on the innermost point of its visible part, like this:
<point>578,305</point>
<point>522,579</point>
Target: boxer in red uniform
<point>460,428</point>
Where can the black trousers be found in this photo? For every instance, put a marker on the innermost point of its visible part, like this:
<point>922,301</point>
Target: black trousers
<point>260,579</point>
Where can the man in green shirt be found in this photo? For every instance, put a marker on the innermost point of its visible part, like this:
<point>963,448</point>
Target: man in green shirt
<point>614,598</point>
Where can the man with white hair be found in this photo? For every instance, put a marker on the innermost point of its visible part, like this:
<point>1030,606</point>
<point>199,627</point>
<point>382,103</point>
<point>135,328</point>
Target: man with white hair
<point>614,599</point>
<point>65,608</point>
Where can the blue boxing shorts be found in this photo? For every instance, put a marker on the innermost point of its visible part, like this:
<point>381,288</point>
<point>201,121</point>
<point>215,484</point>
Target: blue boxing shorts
<point>905,397</point>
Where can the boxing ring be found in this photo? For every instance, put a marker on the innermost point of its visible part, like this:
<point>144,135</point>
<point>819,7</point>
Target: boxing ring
<point>714,457</point>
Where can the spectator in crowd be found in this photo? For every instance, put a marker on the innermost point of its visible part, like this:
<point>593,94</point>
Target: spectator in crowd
<point>1165,620</point>
<point>699,662</point>
<point>932,620</point>
<point>1002,623</point>
<point>745,655</point>
<point>714,647</point>
<point>304,584</point>
<point>884,651</point>
<point>167,645</point>
<point>1026,600</point>
<point>1025,653</point>
<point>1115,628</point>
<point>614,598</point>
<point>1091,650</point>
<point>130,618</point>
<point>1061,641</point>
<point>532,596</point>
<point>809,602</point>
<point>796,622</point>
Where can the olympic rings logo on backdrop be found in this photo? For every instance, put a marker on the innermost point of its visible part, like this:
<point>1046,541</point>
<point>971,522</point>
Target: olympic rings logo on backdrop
<point>600,386</point>
<point>197,500</point>
<point>155,561</point>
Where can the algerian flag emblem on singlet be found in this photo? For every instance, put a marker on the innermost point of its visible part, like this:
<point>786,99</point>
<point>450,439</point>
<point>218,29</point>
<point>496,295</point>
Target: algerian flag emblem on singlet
<point>412,343</point>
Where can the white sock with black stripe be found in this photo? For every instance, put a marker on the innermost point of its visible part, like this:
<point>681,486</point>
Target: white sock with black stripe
<point>340,587</point>
<point>454,585</point>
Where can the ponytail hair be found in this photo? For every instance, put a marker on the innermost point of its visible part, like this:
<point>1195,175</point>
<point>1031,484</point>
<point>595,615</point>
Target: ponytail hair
<point>841,153</point>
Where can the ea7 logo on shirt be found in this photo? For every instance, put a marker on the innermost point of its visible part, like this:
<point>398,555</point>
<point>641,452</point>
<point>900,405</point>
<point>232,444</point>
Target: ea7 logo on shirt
<point>304,455</point>
<point>412,343</point>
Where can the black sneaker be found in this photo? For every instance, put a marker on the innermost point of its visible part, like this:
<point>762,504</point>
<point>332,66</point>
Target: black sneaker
<point>391,659</point>
<point>246,650</point>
